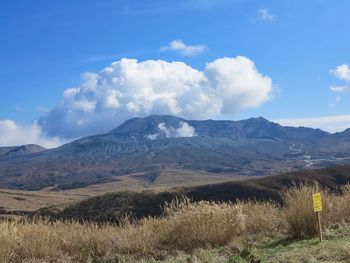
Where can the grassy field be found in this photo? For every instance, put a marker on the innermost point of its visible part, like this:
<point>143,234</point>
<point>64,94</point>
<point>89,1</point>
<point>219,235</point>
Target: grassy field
<point>244,231</point>
<point>334,248</point>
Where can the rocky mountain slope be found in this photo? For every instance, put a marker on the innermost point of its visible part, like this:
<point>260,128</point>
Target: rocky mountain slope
<point>148,146</point>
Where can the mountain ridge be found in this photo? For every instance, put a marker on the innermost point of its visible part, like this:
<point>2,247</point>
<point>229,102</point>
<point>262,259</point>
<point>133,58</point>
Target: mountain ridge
<point>149,145</point>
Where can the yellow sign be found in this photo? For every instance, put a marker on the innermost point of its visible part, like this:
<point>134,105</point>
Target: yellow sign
<point>316,198</point>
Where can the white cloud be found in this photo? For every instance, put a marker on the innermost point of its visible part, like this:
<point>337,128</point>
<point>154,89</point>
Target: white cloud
<point>328,123</point>
<point>341,72</point>
<point>183,49</point>
<point>264,14</point>
<point>128,88</point>
<point>340,89</point>
<point>184,130</point>
<point>237,83</point>
<point>13,134</point>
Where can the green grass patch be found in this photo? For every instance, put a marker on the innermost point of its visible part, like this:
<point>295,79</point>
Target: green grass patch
<point>334,248</point>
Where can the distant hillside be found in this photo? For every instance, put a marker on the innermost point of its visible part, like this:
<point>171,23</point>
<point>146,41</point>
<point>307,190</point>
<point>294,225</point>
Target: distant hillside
<point>111,206</point>
<point>148,146</point>
<point>20,150</point>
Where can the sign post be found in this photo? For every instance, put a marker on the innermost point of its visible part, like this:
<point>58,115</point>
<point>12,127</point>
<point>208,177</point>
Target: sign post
<point>316,198</point>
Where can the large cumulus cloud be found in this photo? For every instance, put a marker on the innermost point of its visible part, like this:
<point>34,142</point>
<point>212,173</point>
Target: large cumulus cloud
<point>128,88</point>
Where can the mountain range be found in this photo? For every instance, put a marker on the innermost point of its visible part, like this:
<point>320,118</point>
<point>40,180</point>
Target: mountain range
<point>143,148</point>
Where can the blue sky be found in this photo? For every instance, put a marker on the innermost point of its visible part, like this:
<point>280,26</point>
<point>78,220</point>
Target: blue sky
<point>47,46</point>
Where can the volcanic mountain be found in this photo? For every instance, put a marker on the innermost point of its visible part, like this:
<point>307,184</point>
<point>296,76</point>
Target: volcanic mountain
<point>145,147</point>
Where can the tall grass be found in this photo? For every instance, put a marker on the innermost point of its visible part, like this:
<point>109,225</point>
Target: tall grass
<point>185,226</point>
<point>204,223</point>
<point>298,209</point>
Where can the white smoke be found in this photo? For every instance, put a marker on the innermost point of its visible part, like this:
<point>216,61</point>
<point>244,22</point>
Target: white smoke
<point>184,130</point>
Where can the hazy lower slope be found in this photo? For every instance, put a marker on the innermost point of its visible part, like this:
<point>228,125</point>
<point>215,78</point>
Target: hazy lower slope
<point>150,145</point>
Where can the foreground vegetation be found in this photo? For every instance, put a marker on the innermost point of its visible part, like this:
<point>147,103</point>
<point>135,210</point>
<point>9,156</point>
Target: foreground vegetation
<point>188,231</point>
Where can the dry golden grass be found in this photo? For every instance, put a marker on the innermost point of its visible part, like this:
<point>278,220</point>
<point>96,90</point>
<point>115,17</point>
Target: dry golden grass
<point>298,209</point>
<point>204,223</point>
<point>185,226</point>
<point>24,240</point>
